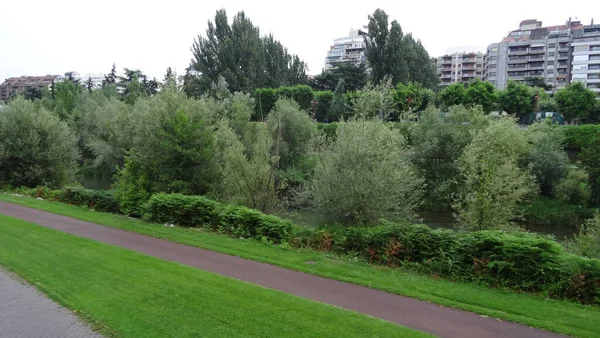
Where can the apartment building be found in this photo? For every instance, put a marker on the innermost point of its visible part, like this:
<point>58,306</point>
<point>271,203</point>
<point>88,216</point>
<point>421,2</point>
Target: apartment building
<point>533,51</point>
<point>15,85</point>
<point>586,57</point>
<point>346,50</point>
<point>83,78</point>
<point>460,67</point>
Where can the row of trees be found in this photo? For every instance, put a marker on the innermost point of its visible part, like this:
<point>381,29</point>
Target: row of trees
<point>481,167</point>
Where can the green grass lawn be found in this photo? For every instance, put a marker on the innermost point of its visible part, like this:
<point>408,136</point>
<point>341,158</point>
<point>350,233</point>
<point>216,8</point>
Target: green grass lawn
<point>559,316</point>
<point>128,294</point>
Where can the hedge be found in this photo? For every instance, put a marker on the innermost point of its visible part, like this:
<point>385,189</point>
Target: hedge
<point>266,98</point>
<point>100,200</point>
<point>198,211</point>
<point>519,261</point>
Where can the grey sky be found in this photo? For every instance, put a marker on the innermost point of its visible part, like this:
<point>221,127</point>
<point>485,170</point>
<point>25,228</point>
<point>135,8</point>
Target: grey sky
<point>39,37</point>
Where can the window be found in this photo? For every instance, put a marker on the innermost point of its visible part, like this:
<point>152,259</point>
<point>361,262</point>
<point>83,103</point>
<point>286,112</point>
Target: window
<point>493,65</point>
<point>492,58</point>
<point>593,76</point>
<point>594,57</point>
<point>595,48</point>
<point>552,45</point>
<point>581,48</point>
<point>551,53</point>
<point>550,71</point>
<point>551,63</point>
<point>492,74</point>
<point>596,66</point>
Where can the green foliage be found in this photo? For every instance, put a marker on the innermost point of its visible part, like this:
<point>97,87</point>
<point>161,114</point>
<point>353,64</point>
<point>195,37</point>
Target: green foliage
<point>98,200</point>
<point>546,157</point>
<point>453,95</point>
<point>575,101</point>
<point>547,104</point>
<point>574,188</point>
<point>409,97</point>
<point>482,94</point>
<point>246,60</point>
<point>520,261</point>
<point>364,174</point>
<point>198,211</point>
<point>392,53</point>
<point>65,94</point>
<point>329,130</point>
<point>354,77</point>
<point>555,213</point>
<point>36,148</point>
<point>266,98</point>
<point>291,129</point>
<point>438,142</point>
<point>131,187</point>
<point>587,241</point>
<point>494,185</point>
<point>248,174</point>
<point>337,108</point>
<point>517,99</point>
<point>323,105</point>
<point>581,136</point>
<point>590,157</point>
<point>375,101</point>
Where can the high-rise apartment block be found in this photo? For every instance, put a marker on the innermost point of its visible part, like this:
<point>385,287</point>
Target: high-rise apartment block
<point>459,67</point>
<point>346,50</point>
<point>557,54</point>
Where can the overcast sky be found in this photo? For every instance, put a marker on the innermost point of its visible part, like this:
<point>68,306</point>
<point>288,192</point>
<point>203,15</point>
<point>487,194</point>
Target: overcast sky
<point>39,37</point>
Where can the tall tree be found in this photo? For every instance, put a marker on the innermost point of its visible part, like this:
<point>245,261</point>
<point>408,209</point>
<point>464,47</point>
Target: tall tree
<point>482,94</point>
<point>170,78</point>
<point>575,101</point>
<point>355,78</point>
<point>517,99</point>
<point>110,78</point>
<point>453,95</point>
<point>390,52</point>
<point>89,84</point>
<point>239,54</point>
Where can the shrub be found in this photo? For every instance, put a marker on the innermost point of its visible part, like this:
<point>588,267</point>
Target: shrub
<point>587,241</point>
<point>100,200</point>
<point>574,188</point>
<point>580,137</point>
<point>198,211</point>
<point>36,148</point>
<point>555,213</point>
<point>520,261</point>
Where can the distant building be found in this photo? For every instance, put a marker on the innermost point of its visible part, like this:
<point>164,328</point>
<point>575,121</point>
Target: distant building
<point>346,50</point>
<point>535,51</point>
<point>14,85</point>
<point>459,67</point>
<point>586,57</point>
<point>83,78</point>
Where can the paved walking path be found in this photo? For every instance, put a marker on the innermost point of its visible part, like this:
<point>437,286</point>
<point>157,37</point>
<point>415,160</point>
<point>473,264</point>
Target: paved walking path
<point>27,313</point>
<point>420,315</point>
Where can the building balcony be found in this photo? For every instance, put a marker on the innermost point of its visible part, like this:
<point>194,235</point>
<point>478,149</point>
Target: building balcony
<point>446,76</point>
<point>535,67</point>
<point>537,51</point>
<point>518,52</point>
<point>536,58</point>
<point>562,65</point>
<point>517,68</point>
<point>563,49</point>
<point>517,60</point>
<point>563,56</point>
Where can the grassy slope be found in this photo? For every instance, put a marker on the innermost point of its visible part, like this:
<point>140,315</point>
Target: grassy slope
<point>563,317</point>
<point>134,295</point>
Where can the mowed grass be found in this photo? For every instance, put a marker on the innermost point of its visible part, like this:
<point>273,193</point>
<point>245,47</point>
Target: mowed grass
<point>558,316</point>
<point>131,295</point>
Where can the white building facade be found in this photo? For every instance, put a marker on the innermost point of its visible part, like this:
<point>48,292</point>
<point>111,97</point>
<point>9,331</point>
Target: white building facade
<point>83,78</point>
<point>586,58</point>
<point>346,50</point>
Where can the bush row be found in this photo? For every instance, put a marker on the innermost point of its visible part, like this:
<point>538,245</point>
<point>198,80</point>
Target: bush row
<point>100,200</point>
<point>198,211</point>
<point>519,261</point>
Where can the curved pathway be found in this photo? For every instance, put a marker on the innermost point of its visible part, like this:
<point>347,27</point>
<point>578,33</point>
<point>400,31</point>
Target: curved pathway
<point>420,315</point>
